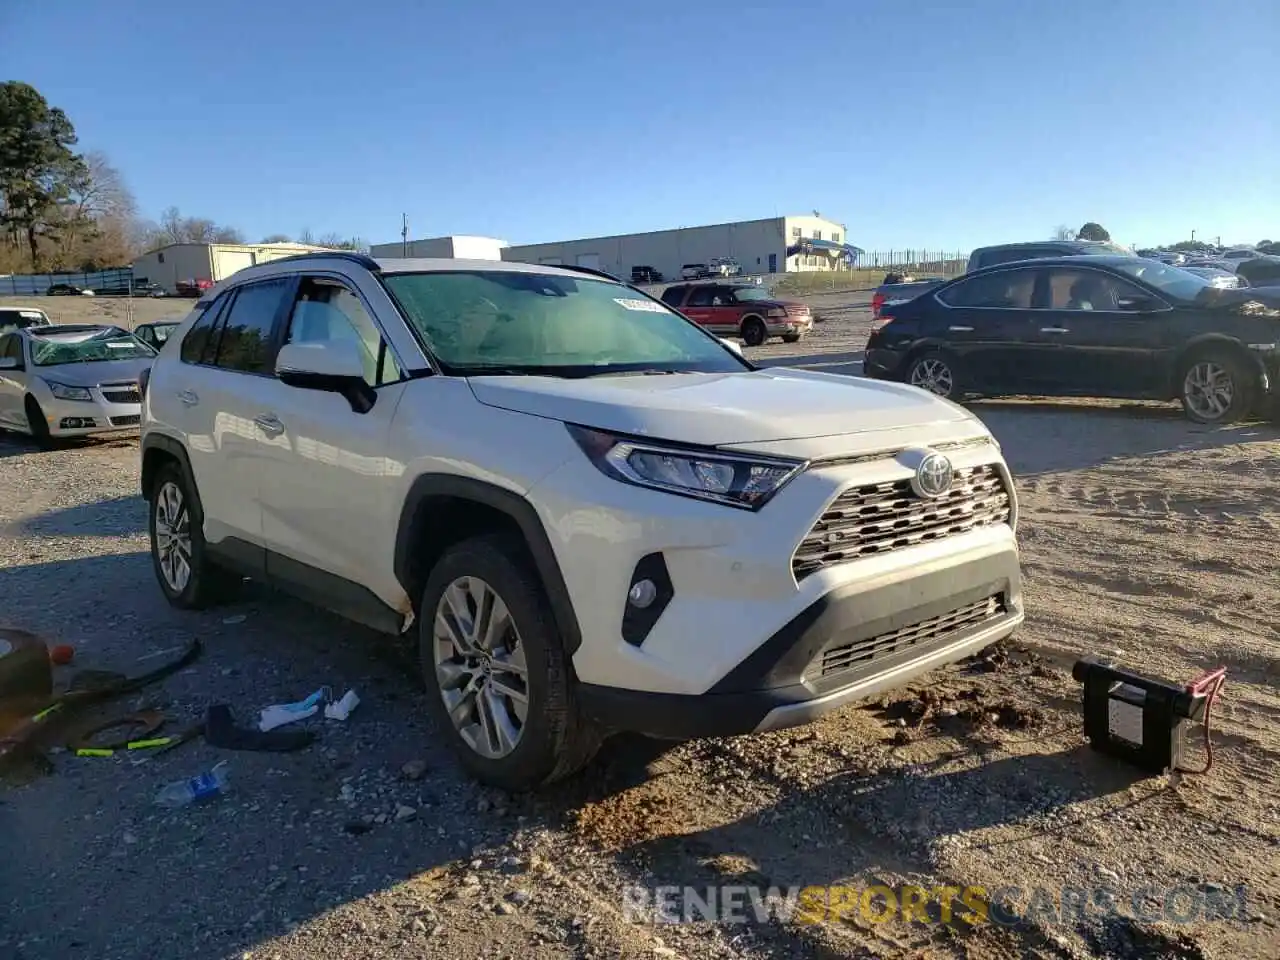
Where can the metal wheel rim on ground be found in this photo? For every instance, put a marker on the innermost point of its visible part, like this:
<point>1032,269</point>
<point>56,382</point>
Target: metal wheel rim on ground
<point>173,537</point>
<point>481,668</point>
<point>934,376</point>
<point>1209,389</point>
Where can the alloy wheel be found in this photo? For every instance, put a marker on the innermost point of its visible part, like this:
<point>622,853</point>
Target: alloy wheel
<point>933,375</point>
<point>1209,390</point>
<point>481,668</point>
<point>173,536</point>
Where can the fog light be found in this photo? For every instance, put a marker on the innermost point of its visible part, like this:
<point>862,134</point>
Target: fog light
<point>642,594</point>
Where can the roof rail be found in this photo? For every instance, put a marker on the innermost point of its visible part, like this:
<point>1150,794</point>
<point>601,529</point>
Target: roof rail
<point>363,259</point>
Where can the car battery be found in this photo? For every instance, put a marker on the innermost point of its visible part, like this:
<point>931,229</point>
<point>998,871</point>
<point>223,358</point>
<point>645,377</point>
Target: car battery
<point>1142,720</point>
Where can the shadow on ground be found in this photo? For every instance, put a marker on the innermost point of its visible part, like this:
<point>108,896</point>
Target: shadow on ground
<point>116,517</point>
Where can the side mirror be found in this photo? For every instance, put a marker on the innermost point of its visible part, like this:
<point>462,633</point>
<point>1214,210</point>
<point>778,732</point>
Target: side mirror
<point>732,345</point>
<point>332,366</point>
<point>8,363</point>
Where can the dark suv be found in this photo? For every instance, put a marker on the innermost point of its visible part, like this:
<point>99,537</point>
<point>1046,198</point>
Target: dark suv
<point>1009,252</point>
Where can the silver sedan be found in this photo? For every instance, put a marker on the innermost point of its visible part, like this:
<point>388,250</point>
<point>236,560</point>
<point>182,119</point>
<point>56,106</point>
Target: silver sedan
<point>71,380</point>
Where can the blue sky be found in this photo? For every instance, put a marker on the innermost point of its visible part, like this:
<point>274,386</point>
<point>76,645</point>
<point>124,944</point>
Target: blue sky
<point>918,124</point>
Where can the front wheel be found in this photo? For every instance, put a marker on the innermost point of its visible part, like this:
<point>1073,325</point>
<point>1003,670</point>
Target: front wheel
<point>179,554</point>
<point>754,332</point>
<point>498,680</point>
<point>1217,388</point>
<point>936,373</point>
<point>37,424</point>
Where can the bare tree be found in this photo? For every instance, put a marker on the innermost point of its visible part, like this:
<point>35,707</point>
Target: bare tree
<point>175,228</point>
<point>1063,232</point>
<point>277,238</point>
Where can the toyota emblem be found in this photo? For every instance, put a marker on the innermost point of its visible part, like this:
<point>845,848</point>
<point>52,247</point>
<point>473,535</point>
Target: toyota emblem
<point>933,476</point>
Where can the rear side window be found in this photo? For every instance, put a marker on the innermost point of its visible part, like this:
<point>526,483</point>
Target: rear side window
<point>199,345</point>
<point>702,297</point>
<point>673,296</point>
<point>1007,289</point>
<point>247,343</point>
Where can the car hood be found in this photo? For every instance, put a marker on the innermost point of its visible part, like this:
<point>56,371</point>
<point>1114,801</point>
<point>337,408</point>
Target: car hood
<point>715,409</point>
<point>92,374</point>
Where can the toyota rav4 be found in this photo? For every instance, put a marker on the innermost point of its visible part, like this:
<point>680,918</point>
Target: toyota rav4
<point>594,515</point>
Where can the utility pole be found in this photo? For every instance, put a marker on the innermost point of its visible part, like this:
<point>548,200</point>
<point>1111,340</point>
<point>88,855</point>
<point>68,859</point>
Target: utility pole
<point>1193,236</point>
<point>404,235</point>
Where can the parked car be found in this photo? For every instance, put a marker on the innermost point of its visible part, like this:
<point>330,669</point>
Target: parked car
<point>155,334</point>
<point>646,275</point>
<point>611,489</point>
<point>725,267</point>
<point>1010,252</point>
<point>890,294</point>
<point>67,290</point>
<point>71,380</point>
<point>1260,272</point>
<point>1097,326</point>
<point>694,271</point>
<point>20,318</point>
<point>741,310</point>
<point>1216,276</point>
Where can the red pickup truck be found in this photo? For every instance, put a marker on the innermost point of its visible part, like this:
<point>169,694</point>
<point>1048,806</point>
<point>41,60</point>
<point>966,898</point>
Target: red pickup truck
<point>740,310</point>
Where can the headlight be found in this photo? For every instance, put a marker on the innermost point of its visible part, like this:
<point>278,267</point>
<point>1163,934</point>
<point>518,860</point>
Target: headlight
<point>63,392</point>
<point>735,480</point>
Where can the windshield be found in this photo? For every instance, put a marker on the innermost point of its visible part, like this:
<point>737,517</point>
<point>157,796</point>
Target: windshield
<point>54,350</point>
<point>1173,281</point>
<point>508,322</point>
<point>743,294</point>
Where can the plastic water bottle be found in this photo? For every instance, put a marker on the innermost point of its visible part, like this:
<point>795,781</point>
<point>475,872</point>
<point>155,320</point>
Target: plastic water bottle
<point>206,786</point>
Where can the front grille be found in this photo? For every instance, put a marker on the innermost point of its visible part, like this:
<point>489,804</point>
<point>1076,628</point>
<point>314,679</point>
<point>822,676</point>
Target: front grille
<point>926,633</point>
<point>129,421</point>
<point>880,517</point>
<point>122,395</point>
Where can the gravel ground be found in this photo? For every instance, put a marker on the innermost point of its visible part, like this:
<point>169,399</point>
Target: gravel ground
<point>1144,537</point>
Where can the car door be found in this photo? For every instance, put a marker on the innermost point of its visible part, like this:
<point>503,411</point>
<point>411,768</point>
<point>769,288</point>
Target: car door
<point>699,305</point>
<point>986,324</point>
<point>1111,337</point>
<point>12,382</point>
<point>228,364</point>
<point>325,471</point>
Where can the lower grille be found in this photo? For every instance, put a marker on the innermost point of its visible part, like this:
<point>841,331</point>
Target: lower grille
<point>880,517</point>
<point>130,395</point>
<point>129,421</point>
<point>926,633</point>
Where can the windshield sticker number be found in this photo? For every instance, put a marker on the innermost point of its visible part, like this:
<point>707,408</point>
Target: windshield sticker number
<point>641,306</point>
<point>119,345</point>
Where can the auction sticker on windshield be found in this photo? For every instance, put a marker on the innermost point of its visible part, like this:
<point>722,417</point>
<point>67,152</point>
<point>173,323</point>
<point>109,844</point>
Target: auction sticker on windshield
<point>644,306</point>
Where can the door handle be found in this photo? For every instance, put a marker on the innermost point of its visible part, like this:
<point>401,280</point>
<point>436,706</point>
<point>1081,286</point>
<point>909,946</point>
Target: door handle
<point>1054,330</point>
<point>269,424</point>
<point>961,329</point>
<point>187,398</point>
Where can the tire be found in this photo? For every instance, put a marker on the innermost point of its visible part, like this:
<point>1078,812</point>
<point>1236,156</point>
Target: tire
<point>175,522</point>
<point>935,372</point>
<point>1216,386</point>
<point>37,424</point>
<point>754,332</point>
<point>552,740</point>
<point>791,338</point>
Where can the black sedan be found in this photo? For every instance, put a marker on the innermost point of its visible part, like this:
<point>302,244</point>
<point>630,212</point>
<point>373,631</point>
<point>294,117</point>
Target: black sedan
<point>1095,326</point>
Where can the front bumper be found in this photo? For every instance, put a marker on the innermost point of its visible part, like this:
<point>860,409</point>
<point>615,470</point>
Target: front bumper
<point>854,642</point>
<point>789,326</point>
<point>82,418</point>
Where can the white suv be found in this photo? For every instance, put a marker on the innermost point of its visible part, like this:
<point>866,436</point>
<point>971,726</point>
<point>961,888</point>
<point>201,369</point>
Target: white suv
<point>596,516</point>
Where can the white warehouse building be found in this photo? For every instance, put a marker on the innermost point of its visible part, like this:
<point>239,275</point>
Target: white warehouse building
<point>775,245</point>
<point>191,265</point>
<point>446,248</point>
